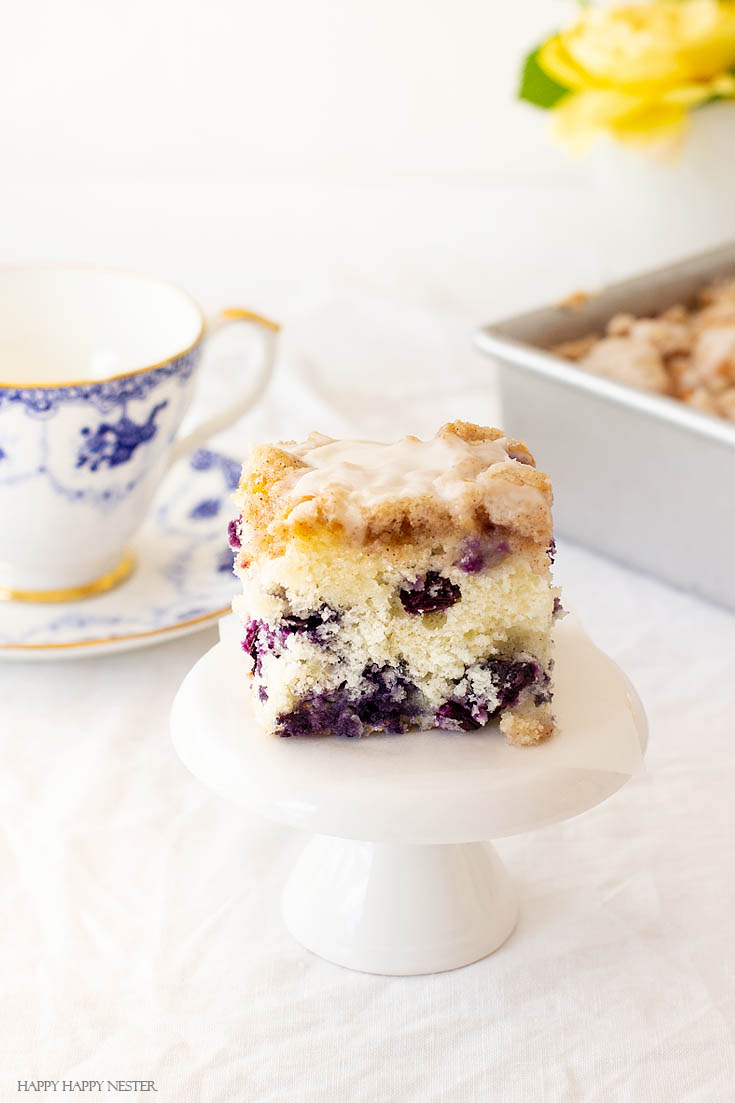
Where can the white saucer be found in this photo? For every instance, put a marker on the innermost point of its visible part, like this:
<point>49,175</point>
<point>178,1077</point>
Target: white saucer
<point>182,580</point>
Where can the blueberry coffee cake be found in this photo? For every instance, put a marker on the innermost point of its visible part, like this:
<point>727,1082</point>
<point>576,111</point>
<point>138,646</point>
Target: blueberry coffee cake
<point>687,352</point>
<point>396,586</point>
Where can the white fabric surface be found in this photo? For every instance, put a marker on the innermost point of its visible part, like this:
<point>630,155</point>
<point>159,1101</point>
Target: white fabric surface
<point>141,935</point>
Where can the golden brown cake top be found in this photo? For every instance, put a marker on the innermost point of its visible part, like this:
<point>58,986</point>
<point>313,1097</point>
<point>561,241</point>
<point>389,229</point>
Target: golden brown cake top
<point>466,478</point>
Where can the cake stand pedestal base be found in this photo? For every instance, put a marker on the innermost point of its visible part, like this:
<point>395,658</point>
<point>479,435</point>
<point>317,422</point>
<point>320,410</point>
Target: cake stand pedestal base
<point>399,910</point>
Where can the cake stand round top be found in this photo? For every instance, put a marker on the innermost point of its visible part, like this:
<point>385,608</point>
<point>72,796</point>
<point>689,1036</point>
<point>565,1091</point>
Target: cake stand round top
<point>422,787</point>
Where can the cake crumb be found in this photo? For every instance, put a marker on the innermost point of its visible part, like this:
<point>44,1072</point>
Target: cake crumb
<point>575,300</point>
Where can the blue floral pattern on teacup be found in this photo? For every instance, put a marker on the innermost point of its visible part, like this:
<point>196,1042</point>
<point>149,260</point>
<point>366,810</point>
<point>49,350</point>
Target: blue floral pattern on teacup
<point>106,426</point>
<point>114,442</point>
<point>105,396</point>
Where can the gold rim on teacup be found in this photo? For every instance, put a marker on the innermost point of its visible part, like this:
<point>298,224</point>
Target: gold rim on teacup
<point>232,314</point>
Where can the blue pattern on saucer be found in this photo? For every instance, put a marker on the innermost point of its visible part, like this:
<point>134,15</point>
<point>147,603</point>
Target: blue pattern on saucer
<point>183,572</point>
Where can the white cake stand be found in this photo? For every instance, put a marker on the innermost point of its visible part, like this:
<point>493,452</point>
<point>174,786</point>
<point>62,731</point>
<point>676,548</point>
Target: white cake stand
<point>397,877</point>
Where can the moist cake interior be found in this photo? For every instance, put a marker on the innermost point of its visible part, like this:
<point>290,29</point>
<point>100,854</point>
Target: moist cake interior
<point>383,595</point>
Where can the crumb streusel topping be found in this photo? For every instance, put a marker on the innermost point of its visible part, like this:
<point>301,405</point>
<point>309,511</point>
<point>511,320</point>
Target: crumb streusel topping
<point>400,492</point>
<point>685,352</point>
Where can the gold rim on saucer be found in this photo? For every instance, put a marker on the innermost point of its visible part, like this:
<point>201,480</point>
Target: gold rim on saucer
<point>99,585</point>
<point>74,644</point>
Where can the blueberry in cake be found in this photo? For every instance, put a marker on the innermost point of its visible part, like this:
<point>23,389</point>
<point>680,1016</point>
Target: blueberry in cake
<point>396,586</point>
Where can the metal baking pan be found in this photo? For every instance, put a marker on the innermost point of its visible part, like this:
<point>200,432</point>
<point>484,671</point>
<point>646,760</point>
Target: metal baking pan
<point>640,477</point>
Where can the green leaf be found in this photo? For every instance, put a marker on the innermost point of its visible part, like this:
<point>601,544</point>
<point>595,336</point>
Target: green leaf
<point>717,96</point>
<point>537,87</point>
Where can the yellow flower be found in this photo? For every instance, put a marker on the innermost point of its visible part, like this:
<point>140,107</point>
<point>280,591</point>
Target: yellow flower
<point>635,70</point>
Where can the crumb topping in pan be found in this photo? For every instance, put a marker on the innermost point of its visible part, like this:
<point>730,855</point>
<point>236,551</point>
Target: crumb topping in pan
<point>687,353</point>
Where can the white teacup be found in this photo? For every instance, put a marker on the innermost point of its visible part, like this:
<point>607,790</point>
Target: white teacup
<point>97,370</point>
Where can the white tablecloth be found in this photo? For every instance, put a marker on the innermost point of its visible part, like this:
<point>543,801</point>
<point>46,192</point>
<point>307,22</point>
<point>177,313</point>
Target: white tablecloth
<point>141,935</point>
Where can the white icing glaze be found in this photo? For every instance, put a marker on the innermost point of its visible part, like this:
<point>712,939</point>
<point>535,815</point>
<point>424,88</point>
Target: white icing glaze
<point>409,468</point>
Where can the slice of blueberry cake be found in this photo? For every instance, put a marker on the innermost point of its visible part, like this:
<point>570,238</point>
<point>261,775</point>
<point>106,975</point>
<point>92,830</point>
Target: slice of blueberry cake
<point>396,586</point>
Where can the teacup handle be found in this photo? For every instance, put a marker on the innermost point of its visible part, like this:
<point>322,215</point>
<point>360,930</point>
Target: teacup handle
<point>268,331</point>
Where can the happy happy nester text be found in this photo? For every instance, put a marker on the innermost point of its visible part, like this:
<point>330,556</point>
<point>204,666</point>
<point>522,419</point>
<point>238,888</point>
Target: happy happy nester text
<point>87,1085</point>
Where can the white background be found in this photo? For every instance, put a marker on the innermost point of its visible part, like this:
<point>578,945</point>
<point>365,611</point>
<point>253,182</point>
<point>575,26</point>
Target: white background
<point>257,150</point>
<point>273,155</point>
